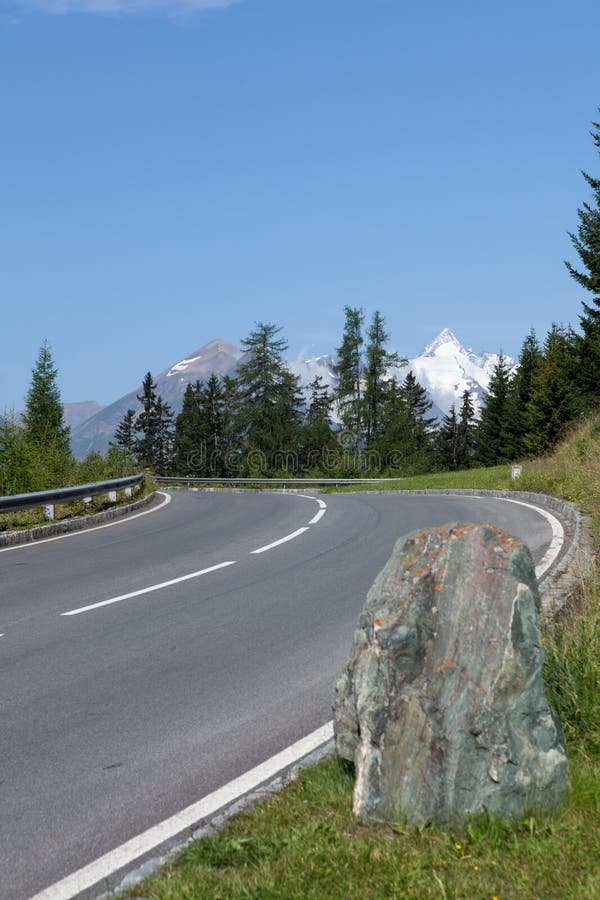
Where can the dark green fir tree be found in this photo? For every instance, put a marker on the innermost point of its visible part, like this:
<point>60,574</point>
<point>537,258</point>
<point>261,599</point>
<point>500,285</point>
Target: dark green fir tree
<point>44,415</point>
<point>349,373</point>
<point>587,244</point>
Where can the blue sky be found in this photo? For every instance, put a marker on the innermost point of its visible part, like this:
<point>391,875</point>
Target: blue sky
<point>173,172</point>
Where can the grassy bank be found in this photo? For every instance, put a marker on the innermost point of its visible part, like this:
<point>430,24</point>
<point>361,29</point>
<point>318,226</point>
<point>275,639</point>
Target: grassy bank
<point>305,843</point>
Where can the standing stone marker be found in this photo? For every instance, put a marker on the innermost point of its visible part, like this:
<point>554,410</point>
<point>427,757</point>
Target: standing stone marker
<point>441,706</point>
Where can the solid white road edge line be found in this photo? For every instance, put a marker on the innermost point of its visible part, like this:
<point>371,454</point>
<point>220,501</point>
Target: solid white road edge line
<point>316,517</point>
<point>283,540</point>
<point>138,846</point>
<point>558,533</point>
<point>148,590</point>
<point>121,521</point>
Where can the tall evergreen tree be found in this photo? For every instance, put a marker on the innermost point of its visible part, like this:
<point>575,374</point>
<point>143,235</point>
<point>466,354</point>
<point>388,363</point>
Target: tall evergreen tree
<point>466,431</point>
<point>44,415</point>
<point>494,438</point>
<point>319,446</point>
<point>378,360</point>
<point>124,437</point>
<point>268,401</point>
<point>447,442</point>
<point>213,426</point>
<point>587,244</point>
<point>418,445</point>
<point>189,456</point>
<point>147,423</point>
<point>154,446</point>
<point>163,447</point>
<point>553,402</point>
<point>520,390</point>
<point>349,373</point>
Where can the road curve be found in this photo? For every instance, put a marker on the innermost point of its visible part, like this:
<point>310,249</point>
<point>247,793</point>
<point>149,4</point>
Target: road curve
<point>186,657</point>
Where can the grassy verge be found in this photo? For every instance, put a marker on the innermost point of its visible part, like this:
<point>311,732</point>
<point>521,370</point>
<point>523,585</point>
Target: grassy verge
<point>305,843</point>
<point>495,478</point>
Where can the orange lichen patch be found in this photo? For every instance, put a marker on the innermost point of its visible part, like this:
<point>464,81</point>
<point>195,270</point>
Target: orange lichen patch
<point>405,560</point>
<point>378,622</point>
<point>481,690</point>
<point>437,586</point>
<point>418,571</point>
<point>464,673</point>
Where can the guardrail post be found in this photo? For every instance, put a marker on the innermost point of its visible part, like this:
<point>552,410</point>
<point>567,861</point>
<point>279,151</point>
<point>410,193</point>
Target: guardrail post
<point>49,511</point>
<point>128,492</point>
<point>112,496</point>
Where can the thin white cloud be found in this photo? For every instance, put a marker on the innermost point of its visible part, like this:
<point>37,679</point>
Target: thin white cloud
<point>122,7</point>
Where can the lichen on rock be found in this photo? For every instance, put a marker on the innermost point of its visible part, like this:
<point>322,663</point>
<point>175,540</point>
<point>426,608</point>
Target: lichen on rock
<point>442,706</point>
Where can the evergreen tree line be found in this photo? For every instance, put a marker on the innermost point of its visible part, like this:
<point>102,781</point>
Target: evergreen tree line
<point>260,422</point>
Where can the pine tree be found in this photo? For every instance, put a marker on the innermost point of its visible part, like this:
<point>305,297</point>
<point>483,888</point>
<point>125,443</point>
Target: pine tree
<point>466,431</point>
<point>147,423</point>
<point>44,416</point>
<point>447,442</point>
<point>587,245</point>
<point>268,402</point>
<point>213,426</point>
<point>124,436</point>
<point>418,444</point>
<point>378,361</point>
<point>349,373</point>
<point>189,456</point>
<point>319,446</point>
<point>163,447</point>
<point>553,403</point>
<point>494,439</point>
<point>520,390</point>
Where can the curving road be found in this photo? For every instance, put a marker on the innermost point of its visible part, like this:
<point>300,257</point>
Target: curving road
<point>139,702</point>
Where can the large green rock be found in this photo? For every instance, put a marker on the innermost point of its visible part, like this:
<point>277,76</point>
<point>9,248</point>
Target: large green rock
<point>441,706</point>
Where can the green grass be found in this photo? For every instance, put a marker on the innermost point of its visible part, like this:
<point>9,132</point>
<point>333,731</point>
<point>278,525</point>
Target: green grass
<point>495,478</point>
<point>305,843</point>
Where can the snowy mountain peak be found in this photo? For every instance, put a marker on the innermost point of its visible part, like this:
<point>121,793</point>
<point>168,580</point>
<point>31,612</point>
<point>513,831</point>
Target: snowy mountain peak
<point>444,342</point>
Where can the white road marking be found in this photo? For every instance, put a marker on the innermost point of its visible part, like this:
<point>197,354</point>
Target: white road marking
<point>120,521</point>
<point>148,590</point>
<point>558,533</point>
<point>283,540</point>
<point>322,504</point>
<point>316,517</point>
<point>138,846</point>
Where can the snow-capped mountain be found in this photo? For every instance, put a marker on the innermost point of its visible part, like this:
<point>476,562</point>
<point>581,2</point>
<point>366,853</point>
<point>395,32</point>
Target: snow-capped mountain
<point>444,368</point>
<point>309,369</point>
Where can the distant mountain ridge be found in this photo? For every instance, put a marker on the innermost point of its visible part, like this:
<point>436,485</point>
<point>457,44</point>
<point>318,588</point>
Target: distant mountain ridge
<point>444,368</point>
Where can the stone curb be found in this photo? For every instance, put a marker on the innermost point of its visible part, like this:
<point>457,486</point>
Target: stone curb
<point>31,535</point>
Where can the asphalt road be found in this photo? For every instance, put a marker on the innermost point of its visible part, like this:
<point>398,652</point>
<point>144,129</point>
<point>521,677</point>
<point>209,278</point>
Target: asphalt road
<point>115,718</point>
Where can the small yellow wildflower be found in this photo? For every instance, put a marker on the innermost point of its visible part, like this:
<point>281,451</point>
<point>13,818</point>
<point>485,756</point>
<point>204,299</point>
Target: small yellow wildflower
<point>476,868</point>
<point>458,846</point>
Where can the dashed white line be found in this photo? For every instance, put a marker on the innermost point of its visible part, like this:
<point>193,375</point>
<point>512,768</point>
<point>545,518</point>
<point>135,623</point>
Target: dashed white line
<point>283,540</point>
<point>120,521</point>
<point>148,590</point>
<point>138,846</point>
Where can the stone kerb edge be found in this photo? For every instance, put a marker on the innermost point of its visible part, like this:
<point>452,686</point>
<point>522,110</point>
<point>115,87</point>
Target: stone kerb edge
<point>31,535</point>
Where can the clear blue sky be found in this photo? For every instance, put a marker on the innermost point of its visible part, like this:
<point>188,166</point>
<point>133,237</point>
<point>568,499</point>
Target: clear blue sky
<point>172,172</point>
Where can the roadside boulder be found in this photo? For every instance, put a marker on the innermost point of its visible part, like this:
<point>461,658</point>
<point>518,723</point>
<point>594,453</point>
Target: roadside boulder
<point>441,706</point>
